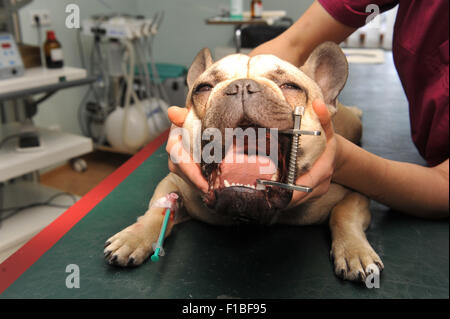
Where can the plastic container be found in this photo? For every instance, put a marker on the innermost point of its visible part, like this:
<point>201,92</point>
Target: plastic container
<point>236,9</point>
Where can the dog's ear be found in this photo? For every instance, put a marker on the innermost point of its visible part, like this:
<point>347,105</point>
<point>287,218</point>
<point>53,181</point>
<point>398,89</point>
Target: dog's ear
<point>328,67</point>
<point>201,62</point>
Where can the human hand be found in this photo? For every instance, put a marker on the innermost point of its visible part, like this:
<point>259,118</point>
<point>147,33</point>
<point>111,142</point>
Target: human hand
<point>319,176</point>
<point>186,168</point>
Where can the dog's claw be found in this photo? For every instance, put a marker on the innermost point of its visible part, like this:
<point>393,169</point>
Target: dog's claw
<point>380,266</point>
<point>331,255</point>
<point>107,244</point>
<point>361,276</point>
<point>107,253</point>
<point>130,261</point>
<point>113,259</point>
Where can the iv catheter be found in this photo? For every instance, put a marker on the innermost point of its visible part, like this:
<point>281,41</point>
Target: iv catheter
<point>157,247</point>
<point>169,202</point>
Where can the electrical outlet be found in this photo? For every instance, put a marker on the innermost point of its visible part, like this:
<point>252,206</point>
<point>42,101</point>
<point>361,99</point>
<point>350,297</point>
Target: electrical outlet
<point>44,17</point>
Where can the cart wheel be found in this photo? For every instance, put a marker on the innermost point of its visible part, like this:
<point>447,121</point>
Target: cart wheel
<point>79,165</point>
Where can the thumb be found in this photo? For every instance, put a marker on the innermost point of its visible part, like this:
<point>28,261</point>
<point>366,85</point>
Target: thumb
<point>177,115</point>
<point>324,117</point>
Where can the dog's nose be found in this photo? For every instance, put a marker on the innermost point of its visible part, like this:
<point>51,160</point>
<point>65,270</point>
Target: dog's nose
<point>242,86</point>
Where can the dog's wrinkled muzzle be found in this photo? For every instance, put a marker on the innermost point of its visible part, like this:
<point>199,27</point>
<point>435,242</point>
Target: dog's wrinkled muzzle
<point>248,104</point>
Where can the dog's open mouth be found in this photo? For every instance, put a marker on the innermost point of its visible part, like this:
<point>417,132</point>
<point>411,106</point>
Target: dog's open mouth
<point>233,188</point>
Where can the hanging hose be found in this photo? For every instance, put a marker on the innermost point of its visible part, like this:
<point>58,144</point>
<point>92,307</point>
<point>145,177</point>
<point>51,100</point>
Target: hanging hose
<point>130,92</point>
<point>162,91</point>
<point>104,73</point>
<point>144,66</point>
<point>158,90</point>
<point>85,119</point>
<point>81,116</point>
<point>96,68</point>
<point>159,107</point>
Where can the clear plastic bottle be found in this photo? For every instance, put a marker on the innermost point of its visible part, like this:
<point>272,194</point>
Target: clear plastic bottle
<point>236,9</point>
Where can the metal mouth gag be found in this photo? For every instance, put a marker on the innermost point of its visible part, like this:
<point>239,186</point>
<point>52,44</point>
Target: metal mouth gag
<point>292,166</point>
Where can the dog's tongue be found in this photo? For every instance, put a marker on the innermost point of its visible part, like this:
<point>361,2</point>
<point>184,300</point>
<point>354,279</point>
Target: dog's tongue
<point>237,167</point>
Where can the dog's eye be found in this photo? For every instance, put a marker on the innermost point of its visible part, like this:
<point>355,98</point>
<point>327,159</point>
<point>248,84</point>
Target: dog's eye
<point>203,87</point>
<point>290,86</point>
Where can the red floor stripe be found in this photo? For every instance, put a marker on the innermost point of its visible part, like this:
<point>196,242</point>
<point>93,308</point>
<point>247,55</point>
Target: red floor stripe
<point>13,267</point>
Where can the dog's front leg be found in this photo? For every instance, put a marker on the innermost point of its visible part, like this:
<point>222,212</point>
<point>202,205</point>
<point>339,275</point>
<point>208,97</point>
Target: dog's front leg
<point>350,249</point>
<point>133,245</point>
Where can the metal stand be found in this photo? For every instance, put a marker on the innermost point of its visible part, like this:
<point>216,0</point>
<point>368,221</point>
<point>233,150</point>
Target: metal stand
<point>237,38</point>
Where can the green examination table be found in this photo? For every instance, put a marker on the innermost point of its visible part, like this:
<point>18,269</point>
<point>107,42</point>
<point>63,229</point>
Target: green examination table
<point>204,261</point>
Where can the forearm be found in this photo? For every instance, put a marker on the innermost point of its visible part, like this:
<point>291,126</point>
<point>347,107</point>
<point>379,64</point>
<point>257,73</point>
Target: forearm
<point>314,27</point>
<point>413,189</point>
<point>284,49</point>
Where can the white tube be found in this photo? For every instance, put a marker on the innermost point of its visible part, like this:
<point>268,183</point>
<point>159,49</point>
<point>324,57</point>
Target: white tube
<point>130,92</point>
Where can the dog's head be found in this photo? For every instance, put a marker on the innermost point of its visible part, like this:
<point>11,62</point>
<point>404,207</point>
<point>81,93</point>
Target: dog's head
<point>258,92</point>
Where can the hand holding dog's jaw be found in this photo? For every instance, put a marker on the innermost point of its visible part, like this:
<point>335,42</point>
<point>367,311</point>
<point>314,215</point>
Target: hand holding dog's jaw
<point>187,169</point>
<point>177,115</point>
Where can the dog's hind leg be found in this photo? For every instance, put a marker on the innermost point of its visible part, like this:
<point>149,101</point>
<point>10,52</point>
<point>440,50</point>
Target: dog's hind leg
<point>347,122</point>
<point>350,249</point>
<point>133,245</point>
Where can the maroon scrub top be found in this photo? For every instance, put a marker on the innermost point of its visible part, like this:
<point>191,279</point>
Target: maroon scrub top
<point>421,52</point>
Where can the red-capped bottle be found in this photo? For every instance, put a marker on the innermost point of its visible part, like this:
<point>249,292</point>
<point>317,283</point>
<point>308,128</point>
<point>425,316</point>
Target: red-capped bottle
<point>53,51</point>
<point>256,9</point>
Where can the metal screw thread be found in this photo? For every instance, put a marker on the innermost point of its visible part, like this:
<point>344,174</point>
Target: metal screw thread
<point>293,160</point>
<point>298,113</point>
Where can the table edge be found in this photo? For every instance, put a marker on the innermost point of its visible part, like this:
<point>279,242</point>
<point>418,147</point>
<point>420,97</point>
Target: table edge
<point>16,264</point>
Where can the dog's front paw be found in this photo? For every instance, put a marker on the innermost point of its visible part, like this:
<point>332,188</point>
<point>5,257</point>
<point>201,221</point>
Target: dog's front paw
<point>354,259</point>
<point>130,247</point>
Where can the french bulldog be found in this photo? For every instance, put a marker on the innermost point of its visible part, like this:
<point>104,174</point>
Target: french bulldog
<point>239,91</point>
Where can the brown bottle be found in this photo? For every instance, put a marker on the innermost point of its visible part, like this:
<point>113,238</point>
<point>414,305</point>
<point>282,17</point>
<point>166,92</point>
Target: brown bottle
<point>53,51</point>
<point>256,9</point>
